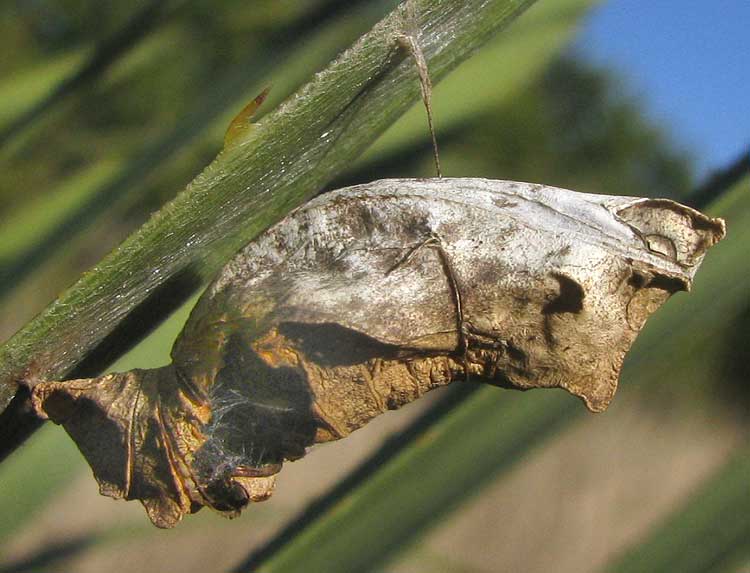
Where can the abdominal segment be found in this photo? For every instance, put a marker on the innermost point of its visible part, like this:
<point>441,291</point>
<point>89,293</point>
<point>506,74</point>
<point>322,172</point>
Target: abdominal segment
<point>302,384</point>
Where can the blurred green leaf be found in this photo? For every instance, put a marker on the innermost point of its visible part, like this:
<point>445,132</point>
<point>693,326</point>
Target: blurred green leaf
<point>443,465</point>
<point>710,533</point>
<point>142,21</point>
<point>23,228</point>
<point>29,85</point>
<point>684,352</point>
<point>29,478</point>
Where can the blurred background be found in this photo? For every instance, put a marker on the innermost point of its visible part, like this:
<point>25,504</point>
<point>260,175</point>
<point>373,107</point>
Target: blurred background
<point>110,108</point>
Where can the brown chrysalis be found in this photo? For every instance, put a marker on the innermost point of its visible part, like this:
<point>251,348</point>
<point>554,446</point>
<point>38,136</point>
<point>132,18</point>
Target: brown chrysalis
<point>363,300</point>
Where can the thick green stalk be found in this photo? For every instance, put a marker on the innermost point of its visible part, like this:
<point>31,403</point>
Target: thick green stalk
<point>287,159</point>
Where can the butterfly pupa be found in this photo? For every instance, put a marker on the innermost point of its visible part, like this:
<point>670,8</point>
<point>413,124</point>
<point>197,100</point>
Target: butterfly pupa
<point>363,300</point>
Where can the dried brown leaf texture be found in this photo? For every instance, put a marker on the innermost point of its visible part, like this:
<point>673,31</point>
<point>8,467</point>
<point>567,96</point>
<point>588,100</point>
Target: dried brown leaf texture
<point>363,300</point>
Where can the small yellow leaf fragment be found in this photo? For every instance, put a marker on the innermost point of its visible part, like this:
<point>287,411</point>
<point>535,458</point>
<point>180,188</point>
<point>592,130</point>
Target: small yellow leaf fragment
<point>241,125</point>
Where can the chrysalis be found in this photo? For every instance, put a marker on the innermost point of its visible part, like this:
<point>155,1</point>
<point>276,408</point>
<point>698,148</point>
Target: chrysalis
<point>363,300</point>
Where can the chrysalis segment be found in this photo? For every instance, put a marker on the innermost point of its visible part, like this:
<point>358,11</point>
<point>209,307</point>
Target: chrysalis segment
<point>363,300</point>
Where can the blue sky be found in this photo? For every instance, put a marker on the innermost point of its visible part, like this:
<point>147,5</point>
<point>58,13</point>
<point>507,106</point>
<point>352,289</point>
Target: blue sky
<point>688,61</point>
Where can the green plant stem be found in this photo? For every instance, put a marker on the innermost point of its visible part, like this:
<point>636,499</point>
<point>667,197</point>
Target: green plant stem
<point>288,157</point>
